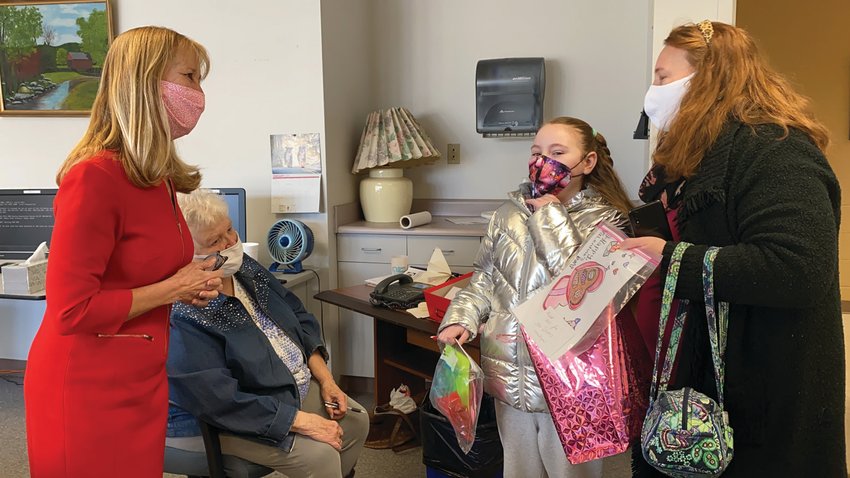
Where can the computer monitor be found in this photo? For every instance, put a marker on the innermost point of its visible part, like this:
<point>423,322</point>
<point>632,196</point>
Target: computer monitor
<point>26,220</point>
<point>235,199</point>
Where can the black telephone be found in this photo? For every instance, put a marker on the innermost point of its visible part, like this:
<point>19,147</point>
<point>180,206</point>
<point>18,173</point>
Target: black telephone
<point>398,292</point>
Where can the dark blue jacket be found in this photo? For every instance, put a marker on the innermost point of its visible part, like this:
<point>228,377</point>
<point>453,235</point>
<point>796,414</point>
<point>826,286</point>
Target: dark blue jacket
<point>222,368</point>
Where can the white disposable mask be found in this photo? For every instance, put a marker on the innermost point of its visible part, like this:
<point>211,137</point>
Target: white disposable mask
<point>661,102</point>
<point>232,259</point>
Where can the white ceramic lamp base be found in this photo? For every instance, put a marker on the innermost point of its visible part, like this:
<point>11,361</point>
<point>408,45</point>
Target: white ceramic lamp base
<point>385,195</point>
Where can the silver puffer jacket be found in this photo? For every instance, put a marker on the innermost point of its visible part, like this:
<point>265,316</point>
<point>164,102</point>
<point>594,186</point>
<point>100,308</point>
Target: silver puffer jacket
<point>520,253</point>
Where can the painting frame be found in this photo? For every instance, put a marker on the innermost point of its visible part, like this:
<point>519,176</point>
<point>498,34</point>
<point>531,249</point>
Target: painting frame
<point>51,55</point>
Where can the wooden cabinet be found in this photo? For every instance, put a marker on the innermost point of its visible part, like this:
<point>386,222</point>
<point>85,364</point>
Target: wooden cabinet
<point>404,351</point>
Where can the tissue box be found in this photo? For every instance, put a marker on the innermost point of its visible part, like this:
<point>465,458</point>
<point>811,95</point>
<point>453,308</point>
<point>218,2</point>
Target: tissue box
<point>24,278</point>
<point>435,296</point>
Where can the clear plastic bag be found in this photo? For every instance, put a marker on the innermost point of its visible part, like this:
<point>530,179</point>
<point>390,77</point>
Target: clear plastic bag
<point>456,392</point>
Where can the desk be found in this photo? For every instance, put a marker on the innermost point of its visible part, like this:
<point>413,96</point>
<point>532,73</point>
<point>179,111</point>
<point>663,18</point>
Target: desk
<point>20,319</point>
<point>404,351</point>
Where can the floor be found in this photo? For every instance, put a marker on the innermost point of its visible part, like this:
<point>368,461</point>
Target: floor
<point>372,463</point>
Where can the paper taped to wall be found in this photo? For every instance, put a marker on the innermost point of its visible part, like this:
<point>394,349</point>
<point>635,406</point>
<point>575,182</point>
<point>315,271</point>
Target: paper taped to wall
<point>296,169</point>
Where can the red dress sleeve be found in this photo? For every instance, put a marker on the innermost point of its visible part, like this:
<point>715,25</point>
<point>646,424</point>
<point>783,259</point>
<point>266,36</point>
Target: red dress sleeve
<point>88,223</point>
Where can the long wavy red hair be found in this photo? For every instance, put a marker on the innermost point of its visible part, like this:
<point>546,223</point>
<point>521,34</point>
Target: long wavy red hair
<point>732,80</point>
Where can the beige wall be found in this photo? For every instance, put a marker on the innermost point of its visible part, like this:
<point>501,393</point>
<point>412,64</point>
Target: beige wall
<point>812,46</point>
<point>597,68</point>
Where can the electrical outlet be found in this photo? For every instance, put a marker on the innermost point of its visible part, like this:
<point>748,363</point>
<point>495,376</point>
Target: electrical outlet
<point>453,153</point>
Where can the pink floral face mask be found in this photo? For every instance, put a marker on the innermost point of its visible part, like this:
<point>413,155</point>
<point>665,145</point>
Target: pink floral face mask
<point>547,176</point>
<point>183,105</point>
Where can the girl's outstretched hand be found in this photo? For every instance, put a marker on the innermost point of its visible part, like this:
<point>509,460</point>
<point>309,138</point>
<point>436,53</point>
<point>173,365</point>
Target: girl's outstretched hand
<point>452,332</point>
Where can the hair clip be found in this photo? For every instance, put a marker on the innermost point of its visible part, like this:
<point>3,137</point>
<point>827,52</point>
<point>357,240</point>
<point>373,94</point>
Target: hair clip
<point>707,30</point>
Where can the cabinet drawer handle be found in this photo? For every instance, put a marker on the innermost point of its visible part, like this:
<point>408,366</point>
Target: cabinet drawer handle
<point>448,251</point>
<point>370,249</point>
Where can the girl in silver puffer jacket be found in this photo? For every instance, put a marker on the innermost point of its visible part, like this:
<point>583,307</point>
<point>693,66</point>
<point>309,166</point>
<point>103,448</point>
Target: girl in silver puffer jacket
<point>530,239</point>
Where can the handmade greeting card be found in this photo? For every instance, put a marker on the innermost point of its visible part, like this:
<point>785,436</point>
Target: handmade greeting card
<point>562,316</point>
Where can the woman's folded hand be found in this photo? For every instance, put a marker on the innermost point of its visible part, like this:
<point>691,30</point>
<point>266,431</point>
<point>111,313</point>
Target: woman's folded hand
<point>318,428</point>
<point>194,284</point>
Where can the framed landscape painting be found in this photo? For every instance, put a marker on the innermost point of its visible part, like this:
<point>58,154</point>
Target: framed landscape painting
<point>51,55</point>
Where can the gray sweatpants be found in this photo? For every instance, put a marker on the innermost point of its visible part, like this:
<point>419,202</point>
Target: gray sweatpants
<point>533,449</point>
<point>308,458</point>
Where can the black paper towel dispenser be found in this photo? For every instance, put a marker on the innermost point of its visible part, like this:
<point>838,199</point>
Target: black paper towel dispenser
<point>509,96</point>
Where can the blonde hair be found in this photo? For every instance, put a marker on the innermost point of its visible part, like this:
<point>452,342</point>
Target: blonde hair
<point>202,208</point>
<point>127,115</point>
<point>603,178</point>
<point>732,80</point>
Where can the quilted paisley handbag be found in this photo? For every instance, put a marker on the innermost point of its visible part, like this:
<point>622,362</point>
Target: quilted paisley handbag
<point>686,433</point>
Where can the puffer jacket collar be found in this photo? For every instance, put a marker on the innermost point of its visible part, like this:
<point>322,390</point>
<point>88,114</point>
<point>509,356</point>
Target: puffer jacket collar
<point>519,196</point>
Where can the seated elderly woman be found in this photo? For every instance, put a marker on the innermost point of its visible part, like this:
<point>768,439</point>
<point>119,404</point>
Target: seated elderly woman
<point>253,364</point>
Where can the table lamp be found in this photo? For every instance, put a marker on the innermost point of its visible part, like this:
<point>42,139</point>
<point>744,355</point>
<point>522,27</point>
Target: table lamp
<point>391,140</point>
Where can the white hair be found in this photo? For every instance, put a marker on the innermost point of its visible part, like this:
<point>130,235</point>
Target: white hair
<point>202,208</point>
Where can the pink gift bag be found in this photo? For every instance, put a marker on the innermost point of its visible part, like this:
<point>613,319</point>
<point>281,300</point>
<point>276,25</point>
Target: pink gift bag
<point>578,350</point>
<point>588,396</point>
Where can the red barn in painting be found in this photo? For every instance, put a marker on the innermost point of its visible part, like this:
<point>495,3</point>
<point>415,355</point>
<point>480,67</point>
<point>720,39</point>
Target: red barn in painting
<point>79,61</point>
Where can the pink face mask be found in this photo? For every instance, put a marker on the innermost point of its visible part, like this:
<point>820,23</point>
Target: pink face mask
<point>183,105</point>
<point>547,176</point>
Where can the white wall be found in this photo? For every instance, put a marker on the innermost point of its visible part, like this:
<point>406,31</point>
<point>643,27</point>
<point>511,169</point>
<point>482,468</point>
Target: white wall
<point>348,63</point>
<point>668,14</point>
<point>265,78</point>
<point>289,66</point>
<point>597,69</point>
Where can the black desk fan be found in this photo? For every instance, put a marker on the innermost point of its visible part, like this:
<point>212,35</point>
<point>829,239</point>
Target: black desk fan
<point>290,242</point>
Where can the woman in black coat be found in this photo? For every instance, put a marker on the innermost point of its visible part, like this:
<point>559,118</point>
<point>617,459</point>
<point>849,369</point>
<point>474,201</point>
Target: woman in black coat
<point>740,165</point>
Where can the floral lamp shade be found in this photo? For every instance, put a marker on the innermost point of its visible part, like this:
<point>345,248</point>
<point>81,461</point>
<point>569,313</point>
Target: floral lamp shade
<point>392,140</point>
<point>393,136</point>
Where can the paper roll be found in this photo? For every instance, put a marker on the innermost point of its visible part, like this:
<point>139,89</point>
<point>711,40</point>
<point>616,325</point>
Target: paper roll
<point>252,249</point>
<point>413,220</point>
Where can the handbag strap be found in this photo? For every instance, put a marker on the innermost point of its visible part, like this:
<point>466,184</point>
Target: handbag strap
<point>659,384</point>
<point>718,321</point>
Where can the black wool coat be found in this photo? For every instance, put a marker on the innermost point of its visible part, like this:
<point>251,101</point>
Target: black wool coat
<point>773,205</point>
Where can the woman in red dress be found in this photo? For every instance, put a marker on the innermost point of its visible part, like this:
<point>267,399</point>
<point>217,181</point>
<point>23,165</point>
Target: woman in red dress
<point>96,390</point>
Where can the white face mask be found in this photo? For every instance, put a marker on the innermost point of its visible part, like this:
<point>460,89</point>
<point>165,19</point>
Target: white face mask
<point>662,101</point>
<point>233,259</point>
